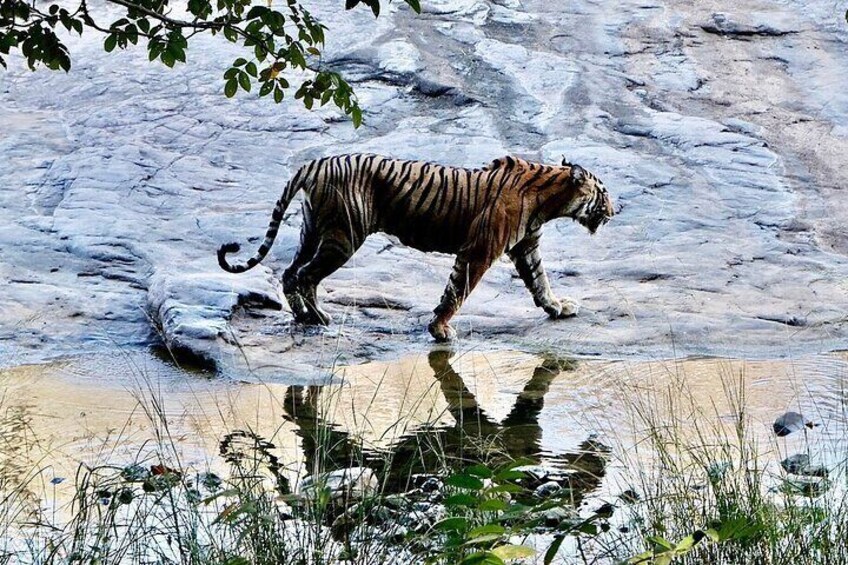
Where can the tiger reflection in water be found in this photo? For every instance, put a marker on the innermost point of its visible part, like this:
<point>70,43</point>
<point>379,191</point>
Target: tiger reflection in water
<point>474,436</point>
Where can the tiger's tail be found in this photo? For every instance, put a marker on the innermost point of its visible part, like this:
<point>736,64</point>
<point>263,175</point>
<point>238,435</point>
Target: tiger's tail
<point>270,235</point>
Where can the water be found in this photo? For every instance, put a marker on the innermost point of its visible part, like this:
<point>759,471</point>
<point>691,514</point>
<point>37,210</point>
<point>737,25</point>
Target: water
<point>588,418</point>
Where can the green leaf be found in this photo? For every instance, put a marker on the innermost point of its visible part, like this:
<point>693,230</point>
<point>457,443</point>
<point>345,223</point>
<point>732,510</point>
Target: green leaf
<point>177,53</point>
<point>482,558</point>
<point>642,558</point>
<point>486,530</point>
<point>493,505</point>
<point>660,545</point>
<point>266,88</point>
<point>588,528</point>
<point>485,539</point>
<point>664,559</point>
<point>230,88</point>
<point>712,534</point>
<point>459,480</point>
<point>510,475</point>
<point>685,544</point>
<point>415,5</point>
<point>553,549</point>
<point>511,552</point>
<point>251,69</point>
<point>296,57</point>
<point>480,471</point>
<point>278,95</point>
<point>452,525</point>
<point>168,58</point>
<point>110,43</point>
<point>510,488</point>
<point>460,500</point>
<point>244,81</point>
<point>256,12</point>
<point>240,62</point>
<point>132,34</point>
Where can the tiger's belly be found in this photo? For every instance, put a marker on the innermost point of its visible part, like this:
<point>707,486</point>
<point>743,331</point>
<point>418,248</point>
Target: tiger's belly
<point>426,234</point>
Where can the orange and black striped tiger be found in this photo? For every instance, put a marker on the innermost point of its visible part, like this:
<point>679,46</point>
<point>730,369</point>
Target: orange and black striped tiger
<point>476,214</point>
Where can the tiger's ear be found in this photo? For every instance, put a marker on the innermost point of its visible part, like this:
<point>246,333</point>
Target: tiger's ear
<point>565,162</point>
<point>494,164</point>
<point>578,174</point>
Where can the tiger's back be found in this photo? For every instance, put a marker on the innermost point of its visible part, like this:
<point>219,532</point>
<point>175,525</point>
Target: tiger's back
<point>425,205</point>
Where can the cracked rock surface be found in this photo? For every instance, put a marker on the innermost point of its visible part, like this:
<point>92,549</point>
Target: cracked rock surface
<point>720,129</point>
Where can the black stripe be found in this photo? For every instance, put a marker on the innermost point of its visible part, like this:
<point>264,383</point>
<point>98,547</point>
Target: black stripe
<point>426,191</point>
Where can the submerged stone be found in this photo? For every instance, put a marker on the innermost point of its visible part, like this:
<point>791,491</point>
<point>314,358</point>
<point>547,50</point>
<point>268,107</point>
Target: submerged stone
<point>355,482</point>
<point>791,422</point>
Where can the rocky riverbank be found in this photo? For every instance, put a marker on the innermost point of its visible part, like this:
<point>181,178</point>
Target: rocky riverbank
<point>720,130</point>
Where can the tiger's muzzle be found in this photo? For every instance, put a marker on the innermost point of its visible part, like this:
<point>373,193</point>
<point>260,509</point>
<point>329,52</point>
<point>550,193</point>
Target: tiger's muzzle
<point>599,215</point>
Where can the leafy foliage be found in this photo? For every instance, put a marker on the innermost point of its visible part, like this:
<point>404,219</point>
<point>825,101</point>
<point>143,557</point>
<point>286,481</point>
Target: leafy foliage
<point>489,510</point>
<point>276,39</point>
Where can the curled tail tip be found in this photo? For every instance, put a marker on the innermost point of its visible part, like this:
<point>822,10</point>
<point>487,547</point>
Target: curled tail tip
<point>223,251</point>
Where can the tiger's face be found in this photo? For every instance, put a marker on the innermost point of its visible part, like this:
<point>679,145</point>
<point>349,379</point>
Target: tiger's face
<point>595,205</point>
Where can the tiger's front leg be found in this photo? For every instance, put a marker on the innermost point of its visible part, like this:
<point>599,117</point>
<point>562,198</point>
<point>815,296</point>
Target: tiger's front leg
<point>527,258</point>
<point>464,277</point>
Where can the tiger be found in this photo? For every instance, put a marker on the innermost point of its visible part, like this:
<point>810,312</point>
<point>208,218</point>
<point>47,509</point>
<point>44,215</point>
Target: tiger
<point>475,214</point>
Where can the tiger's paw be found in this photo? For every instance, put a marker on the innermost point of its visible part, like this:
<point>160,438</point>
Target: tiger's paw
<point>306,313</point>
<point>441,332</point>
<point>563,308</point>
<point>317,317</point>
<point>298,306</point>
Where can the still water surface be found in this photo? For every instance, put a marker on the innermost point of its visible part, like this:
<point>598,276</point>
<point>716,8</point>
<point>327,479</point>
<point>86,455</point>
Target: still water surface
<point>586,417</point>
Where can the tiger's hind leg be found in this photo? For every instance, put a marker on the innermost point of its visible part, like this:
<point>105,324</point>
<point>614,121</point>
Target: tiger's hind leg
<point>309,240</point>
<point>333,251</point>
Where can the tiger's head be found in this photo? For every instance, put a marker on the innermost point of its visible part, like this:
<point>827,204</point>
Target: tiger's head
<point>592,207</point>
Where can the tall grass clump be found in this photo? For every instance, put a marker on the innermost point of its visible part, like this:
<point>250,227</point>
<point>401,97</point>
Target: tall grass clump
<point>707,485</point>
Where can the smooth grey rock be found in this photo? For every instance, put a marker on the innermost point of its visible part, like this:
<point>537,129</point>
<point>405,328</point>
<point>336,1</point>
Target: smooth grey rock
<point>799,464</point>
<point>761,24</point>
<point>428,484</point>
<point>791,422</point>
<point>547,490</point>
<point>416,520</point>
<point>554,517</point>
